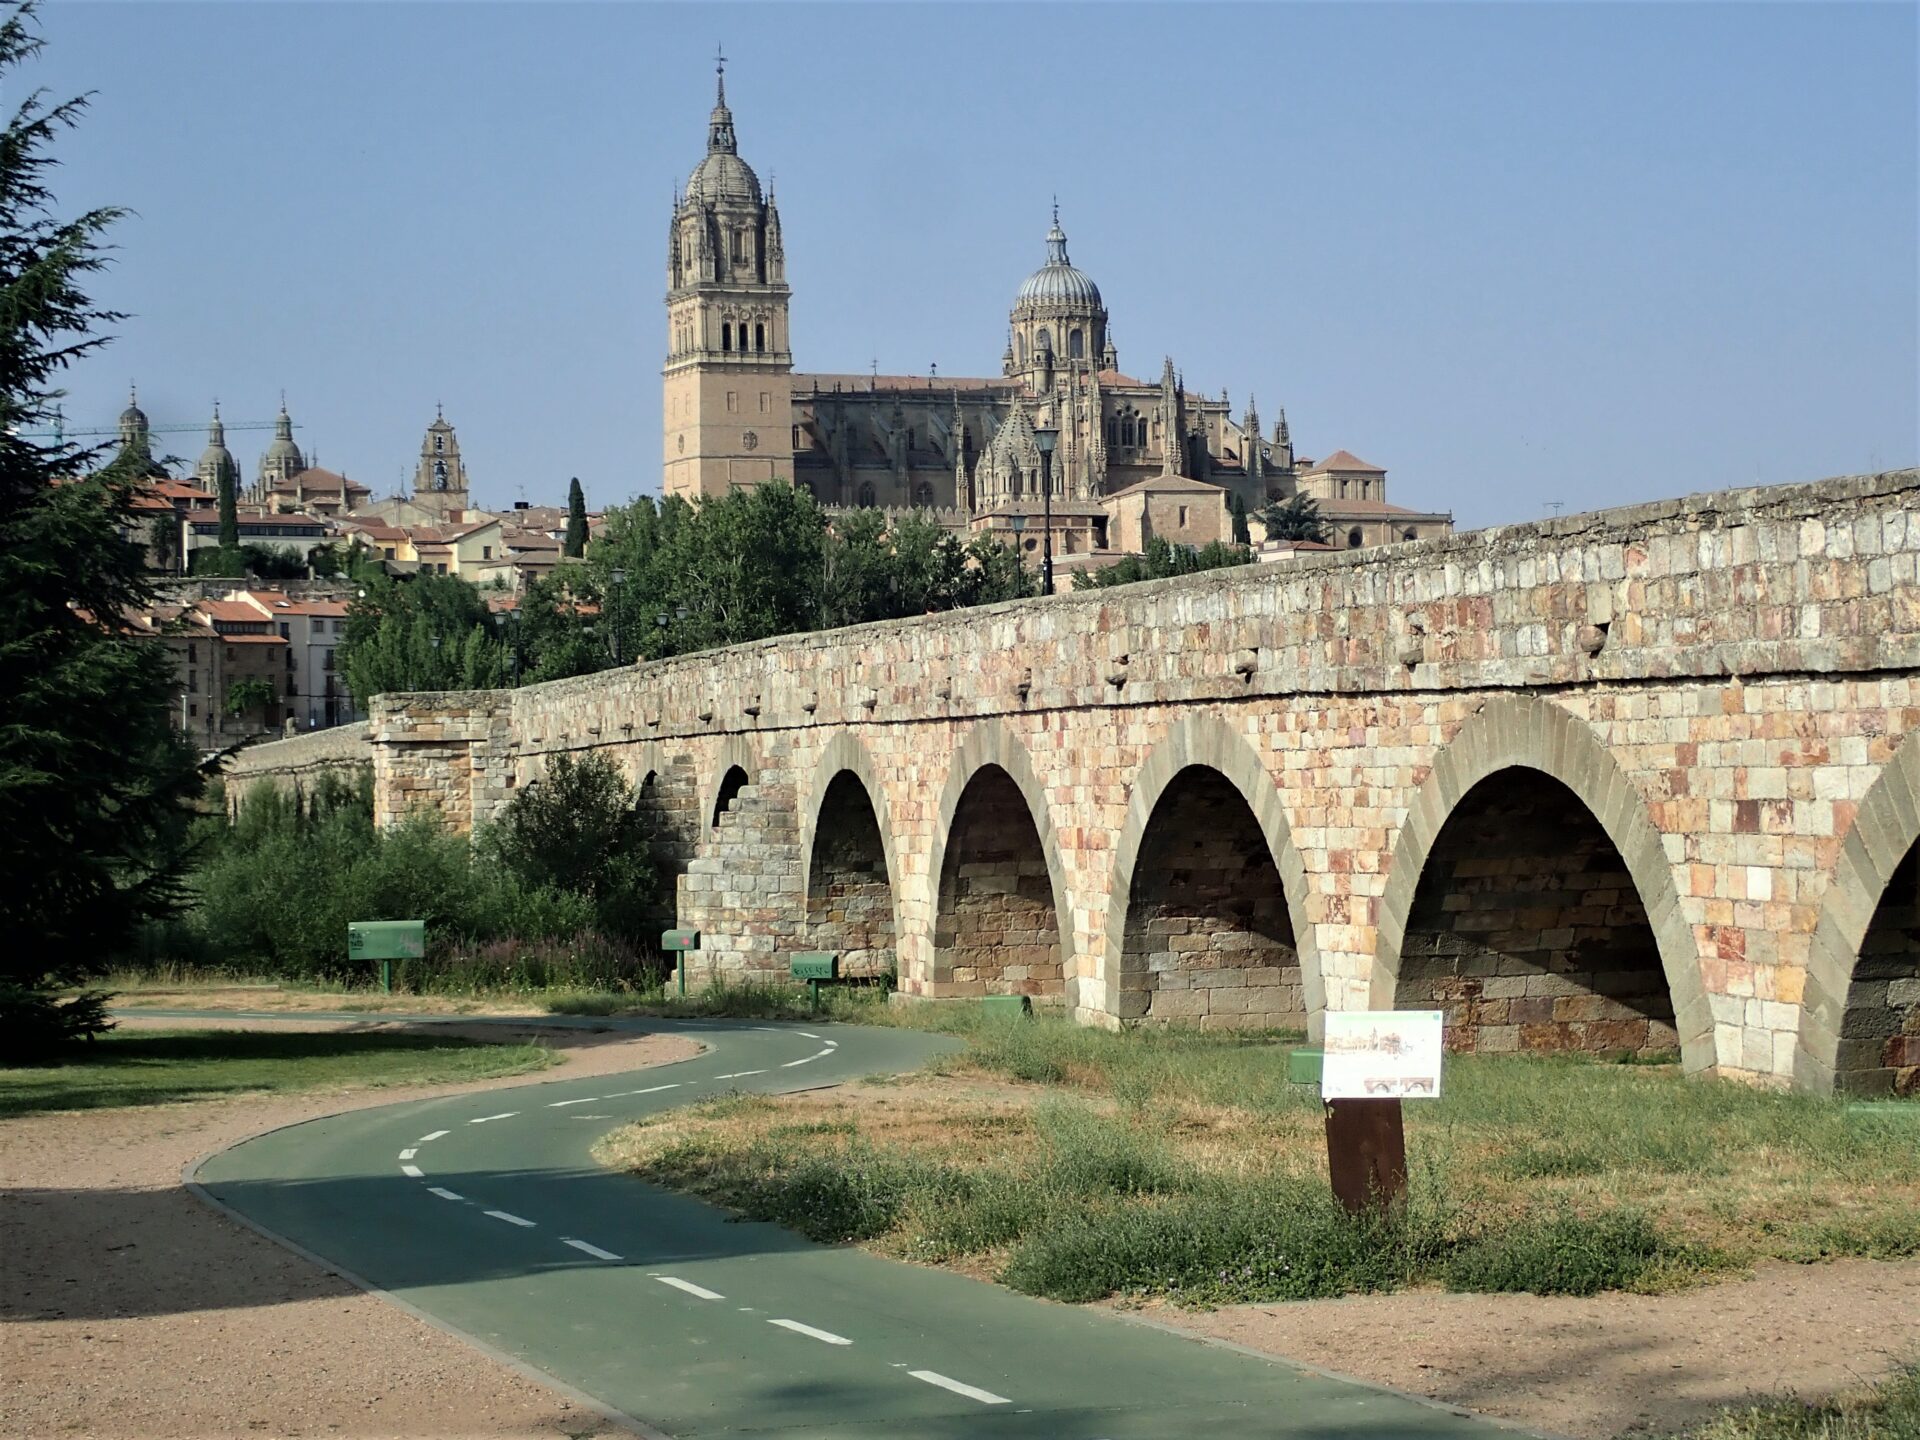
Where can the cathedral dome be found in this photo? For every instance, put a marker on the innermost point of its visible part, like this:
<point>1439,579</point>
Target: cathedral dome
<point>133,418</point>
<point>724,176</point>
<point>1058,282</point>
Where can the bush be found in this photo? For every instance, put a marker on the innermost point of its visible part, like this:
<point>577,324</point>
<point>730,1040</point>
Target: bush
<point>37,1029</point>
<point>279,889</point>
<point>577,829</point>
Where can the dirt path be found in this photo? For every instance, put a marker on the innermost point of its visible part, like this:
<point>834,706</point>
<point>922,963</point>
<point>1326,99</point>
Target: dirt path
<point>131,1310</point>
<point>1610,1365</point>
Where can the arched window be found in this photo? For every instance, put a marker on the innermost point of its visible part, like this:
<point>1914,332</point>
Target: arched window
<point>923,495</point>
<point>1126,430</point>
<point>759,337</point>
<point>439,443</point>
<point>1113,431</point>
<point>1410,534</point>
<point>866,493</point>
<point>1353,538</point>
<point>726,335</point>
<point>1076,346</point>
<point>1020,344</point>
<point>1043,342</point>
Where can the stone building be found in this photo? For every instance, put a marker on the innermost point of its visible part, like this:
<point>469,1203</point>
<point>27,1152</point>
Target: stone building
<point>736,414</point>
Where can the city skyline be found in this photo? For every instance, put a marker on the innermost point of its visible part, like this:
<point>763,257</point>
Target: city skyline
<point>1727,261</point>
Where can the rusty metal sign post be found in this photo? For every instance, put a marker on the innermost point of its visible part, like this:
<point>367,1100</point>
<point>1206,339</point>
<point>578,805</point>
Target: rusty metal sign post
<point>1373,1059</point>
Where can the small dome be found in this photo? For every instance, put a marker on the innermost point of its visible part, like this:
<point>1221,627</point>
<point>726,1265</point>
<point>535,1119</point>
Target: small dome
<point>1058,282</point>
<point>134,416</point>
<point>723,175</point>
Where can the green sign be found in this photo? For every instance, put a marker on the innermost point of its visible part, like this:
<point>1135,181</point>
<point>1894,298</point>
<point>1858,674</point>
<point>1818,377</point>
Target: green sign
<point>679,939</point>
<point>387,939</point>
<point>1303,1066</point>
<point>816,965</point>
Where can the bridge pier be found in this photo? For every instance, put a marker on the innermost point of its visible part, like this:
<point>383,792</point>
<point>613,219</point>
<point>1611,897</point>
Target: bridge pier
<point>1629,782</point>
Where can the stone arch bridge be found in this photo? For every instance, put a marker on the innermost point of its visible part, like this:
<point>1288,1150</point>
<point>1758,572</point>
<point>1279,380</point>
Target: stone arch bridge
<point>1644,780</point>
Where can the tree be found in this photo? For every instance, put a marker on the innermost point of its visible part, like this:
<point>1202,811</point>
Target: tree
<point>577,828</point>
<point>249,695</point>
<point>229,511</point>
<point>1297,519</point>
<point>424,632</point>
<point>94,784</point>
<point>1241,534</point>
<point>1161,560</point>
<point>576,542</point>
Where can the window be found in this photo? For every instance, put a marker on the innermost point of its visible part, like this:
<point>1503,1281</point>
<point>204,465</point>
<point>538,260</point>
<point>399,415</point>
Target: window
<point>866,492</point>
<point>759,337</point>
<point>766,402</point>
<point>726,335</point>
<point>796,437</point>
<point>193,710</point>
<point>193,682</point>
<point>439,442</point>
<point>1353,538</point>
<point>326,663</point>
<point>923,495</point>
<point>1076,347</point>
<point>1410,535</point>
<point>1183,517</point>
<point>292,689</point>
<point>193,653</point>
<point>486,552</point>
<point>231,653</point>
<point>286,630</point>
<point>1043,342</point>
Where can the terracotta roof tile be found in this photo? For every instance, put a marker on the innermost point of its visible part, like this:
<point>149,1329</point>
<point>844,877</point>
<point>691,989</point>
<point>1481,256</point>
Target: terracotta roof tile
<point>1344,460</point>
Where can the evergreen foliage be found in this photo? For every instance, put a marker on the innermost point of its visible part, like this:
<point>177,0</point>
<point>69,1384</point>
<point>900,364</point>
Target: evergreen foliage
<point>426,632</point>
<point>93,783</point>
<point>1241,534</point>
<point>1297,518</point>
<point>576,541</point>
<point>1161,559</point>
<point>229,511</point>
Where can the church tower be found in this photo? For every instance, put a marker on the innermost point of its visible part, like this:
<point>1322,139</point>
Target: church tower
<point>440,479</point>
<point>728,393</point>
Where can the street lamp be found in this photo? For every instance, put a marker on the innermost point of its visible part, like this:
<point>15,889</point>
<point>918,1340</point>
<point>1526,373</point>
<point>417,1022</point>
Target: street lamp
<point>506,622</point>
<point>1046,437</point>
<point>618,577</point>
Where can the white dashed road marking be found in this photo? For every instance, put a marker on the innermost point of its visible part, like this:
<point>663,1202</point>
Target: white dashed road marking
<point>650,1090</point>
<point>508,1115</point>
<point>434,1136</point>
<point>799,1329</point>
<point>806,1034</point>
<point>739,1074</point>
<point>412,1172</point>
<point>593,1250</point>
<point>690,1287</point>
<point>558,1104</point>
<point>985,1397</point>
<point>444,1194</point>
<point>408,1154</point>
<point>808,1060</point>
<point>511,1219</point>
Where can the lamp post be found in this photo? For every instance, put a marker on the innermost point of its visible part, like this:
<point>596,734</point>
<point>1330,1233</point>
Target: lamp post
<point>1046,437</point>
<point>507,622</point>
<point>619,578</point>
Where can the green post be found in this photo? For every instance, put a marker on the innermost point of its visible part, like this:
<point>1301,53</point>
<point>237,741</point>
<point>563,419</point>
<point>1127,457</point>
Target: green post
<point>679,942</point>
<point>386,977</point>
<point>386,941</point>
<point>813,966</point>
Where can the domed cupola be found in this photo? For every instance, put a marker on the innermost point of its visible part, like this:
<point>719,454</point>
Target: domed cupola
<point>1058,282</point>
<point>723,175</point>
<point>1058,317</point>
<point>282,459</point>
<point>134,427</point>
<point>217,466</point>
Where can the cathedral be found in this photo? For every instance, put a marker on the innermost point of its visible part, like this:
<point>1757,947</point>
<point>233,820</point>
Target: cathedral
<point>1132,457</point>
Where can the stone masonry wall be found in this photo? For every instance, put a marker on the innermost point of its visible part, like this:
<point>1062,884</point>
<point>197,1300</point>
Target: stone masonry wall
<point>344,751</point>
<point>998,932</point>
<point>1880,1038</point>
<point>1528,932</point>
<point>849,899</point>
<point>1208,938</point>
<point>1721,681</point>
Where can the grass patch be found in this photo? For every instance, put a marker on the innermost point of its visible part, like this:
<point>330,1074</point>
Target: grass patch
<point>156,1067</point>
<point>1077,1163</point>
<point>1889,1411</point>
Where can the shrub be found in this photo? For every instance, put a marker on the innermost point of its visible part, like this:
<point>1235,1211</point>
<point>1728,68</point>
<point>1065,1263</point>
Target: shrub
<point>577,829</point>
<point>1564,1254</point>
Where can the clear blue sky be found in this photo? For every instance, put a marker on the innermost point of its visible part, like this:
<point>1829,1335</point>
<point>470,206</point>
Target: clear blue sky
<point>1516,254</point>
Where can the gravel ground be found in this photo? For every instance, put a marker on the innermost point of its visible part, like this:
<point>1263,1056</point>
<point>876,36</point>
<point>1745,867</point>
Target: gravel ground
<point>1612,1364</point>
<point>130,1310</point>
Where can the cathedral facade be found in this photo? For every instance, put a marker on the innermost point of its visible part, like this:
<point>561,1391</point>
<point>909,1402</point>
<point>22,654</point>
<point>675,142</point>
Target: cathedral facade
<point>737,414</point>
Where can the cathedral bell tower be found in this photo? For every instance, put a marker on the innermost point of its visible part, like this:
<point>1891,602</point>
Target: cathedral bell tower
<point>728,411</point>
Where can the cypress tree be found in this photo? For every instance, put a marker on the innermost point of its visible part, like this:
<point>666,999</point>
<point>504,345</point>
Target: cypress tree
<point>1241,534</point>
<point>229,512</point>
<point>576,542</point>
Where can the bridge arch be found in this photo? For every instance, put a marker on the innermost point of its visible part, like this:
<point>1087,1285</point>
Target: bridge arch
<point>1881,841</point>
<point>1203,763</point>
<point>847,907</point>
<point>1507,737</point>
<point>736,765</point>
<point>991,783</point>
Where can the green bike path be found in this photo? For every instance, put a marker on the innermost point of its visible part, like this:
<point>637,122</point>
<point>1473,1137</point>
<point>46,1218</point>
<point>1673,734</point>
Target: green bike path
<point>487,1214</point>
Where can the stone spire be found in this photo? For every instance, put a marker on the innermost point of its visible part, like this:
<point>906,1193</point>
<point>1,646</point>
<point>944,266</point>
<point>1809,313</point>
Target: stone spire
<point>217,464</point>
<point>1256,460</point>
<point>1172,444</point>
<point>720,138</point>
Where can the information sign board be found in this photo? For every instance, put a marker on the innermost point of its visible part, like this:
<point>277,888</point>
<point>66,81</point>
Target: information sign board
<point>1381,1054</point>
<point>815,965</point>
